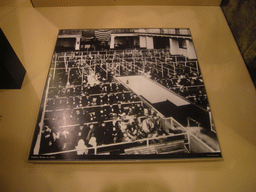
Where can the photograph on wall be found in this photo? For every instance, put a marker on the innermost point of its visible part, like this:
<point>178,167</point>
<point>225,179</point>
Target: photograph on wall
<point>124,94</point>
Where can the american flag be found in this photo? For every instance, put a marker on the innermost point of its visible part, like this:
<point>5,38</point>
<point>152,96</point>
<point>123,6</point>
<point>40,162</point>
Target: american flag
<point>103,34</point>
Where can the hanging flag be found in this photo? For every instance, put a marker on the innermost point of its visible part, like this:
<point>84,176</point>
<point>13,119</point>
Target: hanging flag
<point>103,34</point>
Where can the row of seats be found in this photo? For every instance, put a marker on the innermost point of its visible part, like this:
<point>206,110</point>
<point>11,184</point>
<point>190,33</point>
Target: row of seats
<point>81,115</point>
<point>86,89</point>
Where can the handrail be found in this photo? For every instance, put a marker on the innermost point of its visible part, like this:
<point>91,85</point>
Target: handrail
<point>201,142</point>
<point>117,144</point>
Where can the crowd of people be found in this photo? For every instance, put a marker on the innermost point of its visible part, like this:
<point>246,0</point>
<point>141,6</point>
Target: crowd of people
<point>86,106</point>
<point>122,128</point>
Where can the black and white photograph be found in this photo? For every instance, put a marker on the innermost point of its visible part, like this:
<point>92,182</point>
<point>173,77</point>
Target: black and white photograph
<point>124,94</point>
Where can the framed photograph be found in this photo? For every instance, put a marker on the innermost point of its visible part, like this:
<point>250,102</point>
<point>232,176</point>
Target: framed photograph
<point>124,95</point>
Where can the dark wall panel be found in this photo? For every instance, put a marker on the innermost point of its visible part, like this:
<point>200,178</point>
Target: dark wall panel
<point>12,71</point>
<point>241,17</point>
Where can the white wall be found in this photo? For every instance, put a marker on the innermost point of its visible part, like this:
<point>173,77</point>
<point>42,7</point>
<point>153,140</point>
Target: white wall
<point>188,52</point>
<point>150,42</point>
<point>174,48</point>
<point>191,53</point>
<point>143,42</point>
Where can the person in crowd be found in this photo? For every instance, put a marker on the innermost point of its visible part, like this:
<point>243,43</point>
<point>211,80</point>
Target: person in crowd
<point>101,99</point>
<point>78,116</point>
<point>92,116</point>
<point>89,131</point>
<point>119,109</point>
<point>131,110</point>
<point>147,127</point>
<point>117,134</point>
<point>108,138</point>
<point>158,127</point>
<point>88,89</point>
<point>81,148</point>
<point>47,142</point>
<point>112,98</point>
<point>139,110</point>
<point>99,132</point>
<point>82,131</point>
<point>133,130</point>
